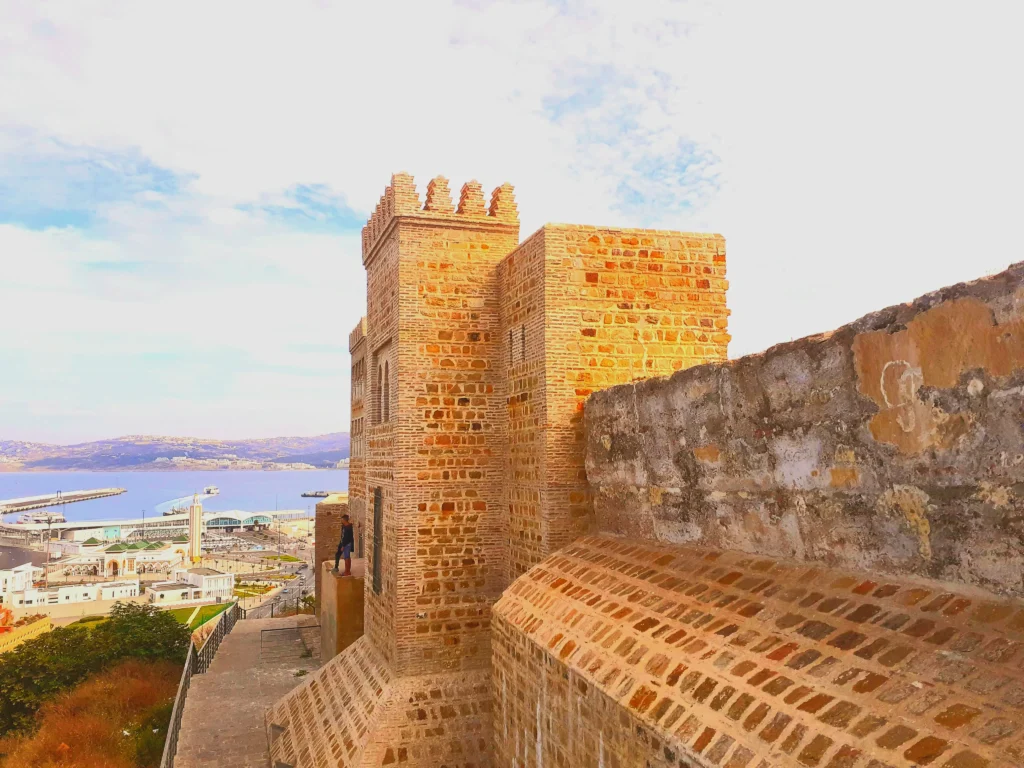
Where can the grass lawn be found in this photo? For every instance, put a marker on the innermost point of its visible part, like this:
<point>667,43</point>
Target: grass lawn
<point>93,620</point>
<point>244,591</point>
<point>284,558</point>
<point>182,614</point>
<point>208,612</point>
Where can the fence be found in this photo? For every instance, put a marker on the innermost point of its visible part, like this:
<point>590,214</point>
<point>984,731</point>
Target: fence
<point>196,663</point>
<point>277,607</point>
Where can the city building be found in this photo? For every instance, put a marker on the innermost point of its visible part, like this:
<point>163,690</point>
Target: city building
<point>95,558</point>
<point>195,530</point>
<point>19,578</point>
<point>23,587</point>
<point>14,632</point>
<point>193,584</point>
<point>593,540</point>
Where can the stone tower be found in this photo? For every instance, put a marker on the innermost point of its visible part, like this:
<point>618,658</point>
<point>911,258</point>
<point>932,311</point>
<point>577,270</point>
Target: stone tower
<point>195,530</point>
<point>435,422</point>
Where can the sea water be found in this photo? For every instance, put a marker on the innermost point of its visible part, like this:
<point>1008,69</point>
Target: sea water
<point>154,492</point>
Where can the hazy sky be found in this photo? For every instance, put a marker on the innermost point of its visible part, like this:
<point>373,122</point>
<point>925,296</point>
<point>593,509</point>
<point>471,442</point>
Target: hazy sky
<point>182,184</point>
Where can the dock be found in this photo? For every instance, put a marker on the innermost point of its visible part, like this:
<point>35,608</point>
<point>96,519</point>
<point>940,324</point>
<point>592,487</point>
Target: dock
<point>28,503</point>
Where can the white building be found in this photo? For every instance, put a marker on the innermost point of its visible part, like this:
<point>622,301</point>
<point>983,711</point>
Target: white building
<point>94,558</point>
<point>21,589</point>
<point>193,584</point>
<point>18,579</point>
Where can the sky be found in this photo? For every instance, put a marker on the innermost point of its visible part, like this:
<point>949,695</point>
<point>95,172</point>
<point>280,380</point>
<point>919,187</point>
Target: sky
<point>183,184</point>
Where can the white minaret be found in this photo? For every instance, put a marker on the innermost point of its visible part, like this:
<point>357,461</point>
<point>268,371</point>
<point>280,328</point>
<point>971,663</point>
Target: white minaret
<point>195,530</point>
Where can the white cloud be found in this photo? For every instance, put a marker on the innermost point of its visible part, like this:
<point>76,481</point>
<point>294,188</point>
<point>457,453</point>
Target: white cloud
<point>854,156</point>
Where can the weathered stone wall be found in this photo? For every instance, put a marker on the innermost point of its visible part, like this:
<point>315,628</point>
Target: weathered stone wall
<point>326,535</point>
<point>893,444</point>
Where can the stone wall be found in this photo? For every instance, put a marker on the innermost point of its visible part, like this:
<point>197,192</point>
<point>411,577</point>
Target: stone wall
<point>327,535</point>
<point>893,444</point>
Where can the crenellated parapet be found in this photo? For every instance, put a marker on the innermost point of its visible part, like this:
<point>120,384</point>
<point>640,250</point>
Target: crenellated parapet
<point>400,199</point>
<point>357,335</point>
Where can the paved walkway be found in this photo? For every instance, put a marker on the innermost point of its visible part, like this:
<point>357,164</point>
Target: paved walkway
<point>223,723</point>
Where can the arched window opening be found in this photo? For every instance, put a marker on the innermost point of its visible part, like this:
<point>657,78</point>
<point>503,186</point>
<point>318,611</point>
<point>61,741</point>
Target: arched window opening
<point>387,393</point>
<point>380,394</point>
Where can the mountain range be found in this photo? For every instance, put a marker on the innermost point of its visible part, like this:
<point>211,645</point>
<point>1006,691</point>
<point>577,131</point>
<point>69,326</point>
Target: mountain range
<point>170,453</point>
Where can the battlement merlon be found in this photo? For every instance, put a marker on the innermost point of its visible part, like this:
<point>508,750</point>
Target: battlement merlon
<point>357,335</point>
<point>401,199</point>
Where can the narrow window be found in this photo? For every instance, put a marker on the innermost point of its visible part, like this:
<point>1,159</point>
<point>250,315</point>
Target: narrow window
<point>387,393</point>
<point>380,394</point>
<point>378,535</point>
<point>522,339</point>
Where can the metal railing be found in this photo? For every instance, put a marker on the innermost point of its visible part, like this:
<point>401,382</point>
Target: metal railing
<point>273,608</point>
<point>196,663</point>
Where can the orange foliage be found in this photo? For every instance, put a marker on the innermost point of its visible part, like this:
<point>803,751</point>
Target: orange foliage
<point>85,728</point>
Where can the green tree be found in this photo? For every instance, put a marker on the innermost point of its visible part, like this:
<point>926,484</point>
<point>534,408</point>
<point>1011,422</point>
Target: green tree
<point>57,661</point>
<point>142,631</point>
<point>38,670</point>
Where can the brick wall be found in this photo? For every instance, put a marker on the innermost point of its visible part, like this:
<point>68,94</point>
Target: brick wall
<point>585,308</point>
<point>327,534</point>
<point>893,443</point>
<point>433,319</point>
<point>340,609</point>
<point>522,282</point>
<point>618,652</point>
<point>357,433</point>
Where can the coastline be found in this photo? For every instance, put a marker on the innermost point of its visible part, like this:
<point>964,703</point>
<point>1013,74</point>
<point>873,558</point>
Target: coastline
<point>160,468</point>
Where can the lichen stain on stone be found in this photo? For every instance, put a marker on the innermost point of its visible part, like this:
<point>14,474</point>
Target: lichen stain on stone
<point>999,496</point>
<point>709,454</point>
<point>606,441</point>
<point>844,477</point>
<point>933,350</point>
<point>913,504</point>
<point>655,494</point>
<point>844,473</point>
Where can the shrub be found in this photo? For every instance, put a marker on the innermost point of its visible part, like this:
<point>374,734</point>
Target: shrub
<point>37,671</point>
<point>108,721</point>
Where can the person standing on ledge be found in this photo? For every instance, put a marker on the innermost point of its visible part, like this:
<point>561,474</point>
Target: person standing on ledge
<point>345,546</point>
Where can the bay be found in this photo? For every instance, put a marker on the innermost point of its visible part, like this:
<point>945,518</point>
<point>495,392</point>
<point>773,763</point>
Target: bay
<point>249,491</point>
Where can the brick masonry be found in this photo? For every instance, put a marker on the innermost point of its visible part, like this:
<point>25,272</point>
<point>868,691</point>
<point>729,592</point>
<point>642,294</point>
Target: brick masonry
<point>357,434</point>
<point>340,608</point>
<point>619,653</point>
<point>469,376</point>
<point>327,534</point>
<point>591,556</point>
<point>585,308</point>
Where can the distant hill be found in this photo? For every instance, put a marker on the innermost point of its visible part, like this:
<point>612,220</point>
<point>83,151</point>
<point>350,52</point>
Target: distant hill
<point>151,452</point>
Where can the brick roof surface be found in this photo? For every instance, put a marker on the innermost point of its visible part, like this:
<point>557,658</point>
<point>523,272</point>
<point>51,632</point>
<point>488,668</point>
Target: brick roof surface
<point>730,656</point>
